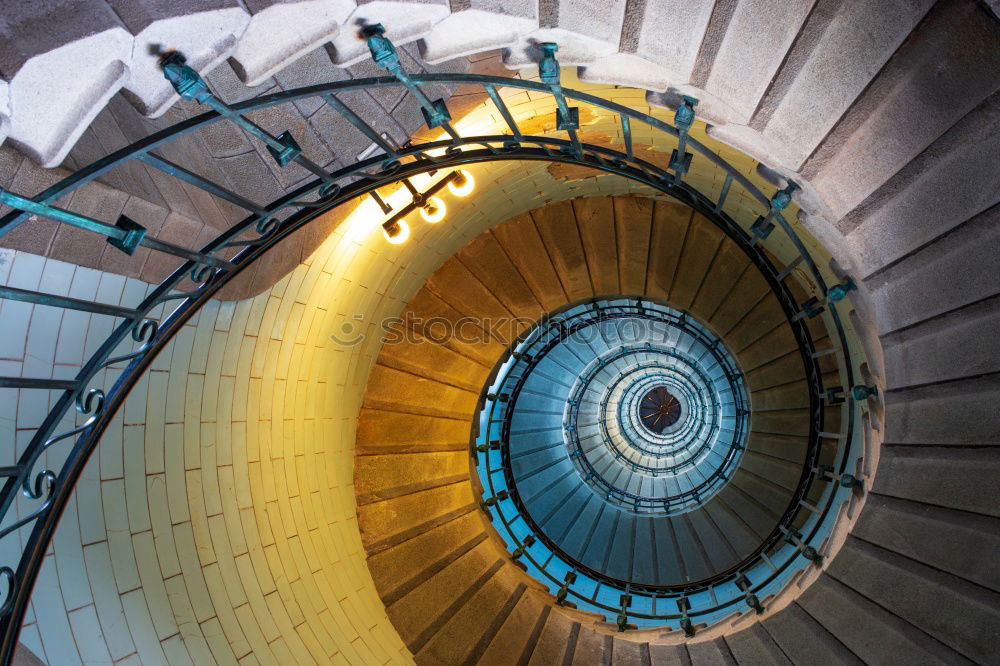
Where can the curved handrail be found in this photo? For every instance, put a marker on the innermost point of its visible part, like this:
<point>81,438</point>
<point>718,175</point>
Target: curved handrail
<point>139,337</point>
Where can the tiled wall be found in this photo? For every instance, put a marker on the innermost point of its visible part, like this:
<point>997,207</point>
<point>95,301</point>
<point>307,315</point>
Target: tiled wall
<point>217,519</point>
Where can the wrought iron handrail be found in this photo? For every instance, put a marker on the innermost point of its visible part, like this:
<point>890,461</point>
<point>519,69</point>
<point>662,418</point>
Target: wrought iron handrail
<point>142,333</point>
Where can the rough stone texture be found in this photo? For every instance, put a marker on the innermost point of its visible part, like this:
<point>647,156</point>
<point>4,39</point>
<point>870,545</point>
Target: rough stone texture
<point>963,413</point>
<point>404,23</point>
<point>479,25</point>
<point>912,289</point>
<point>584,32</point>
<point>754,647</point>
<point>950,347</point>
<point>949,477</point>
<point>957,613</point>
<point>946,69</point>
<point>842,47</point>
<point>281,32</point>
<point>748,56</point>
<point>957,542</point>
<point>868,630</point>
<point>802,639</point>
<point>62,62</point>
<point>953,181</point>
<point>205,32</point>
<point>646,59</point>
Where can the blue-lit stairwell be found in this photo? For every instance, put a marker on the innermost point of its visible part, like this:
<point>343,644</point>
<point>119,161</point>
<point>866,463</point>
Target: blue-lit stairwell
<point>618,525</point>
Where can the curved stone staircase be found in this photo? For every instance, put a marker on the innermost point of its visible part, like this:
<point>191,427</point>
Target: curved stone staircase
<point>449,584</point>
<point>893,133</point>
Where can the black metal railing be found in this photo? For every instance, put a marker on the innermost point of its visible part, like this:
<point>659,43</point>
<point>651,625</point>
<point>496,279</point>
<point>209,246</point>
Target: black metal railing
<point>38,486</point>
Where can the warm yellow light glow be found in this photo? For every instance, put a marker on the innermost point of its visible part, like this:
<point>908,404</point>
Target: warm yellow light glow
<point>433,211</point>
<point>462,184</point>
<point>398,233</point>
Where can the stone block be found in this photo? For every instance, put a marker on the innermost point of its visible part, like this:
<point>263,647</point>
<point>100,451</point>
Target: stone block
<point>280,32</point>
<point>205,32</point>
<point>957,613</point>
<point>869,631</point>
<point>958,542</point>
<point>802,639</point>
<point>956,413</point>
<point>956,478</point>
<point>904,109</point>
<point>481,26</point>
<point>62,62</point>
<point>576,46</point>
<point>958,345</point>
<point>658,47</point>
<point>841,48</point>
<point>950,183</point>
<point>748,55</point>
<point>404,22</point>
<point>754,646</point>
<point>711,653</point>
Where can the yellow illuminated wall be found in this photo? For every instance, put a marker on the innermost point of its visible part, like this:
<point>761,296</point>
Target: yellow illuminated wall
<point>217,521</point>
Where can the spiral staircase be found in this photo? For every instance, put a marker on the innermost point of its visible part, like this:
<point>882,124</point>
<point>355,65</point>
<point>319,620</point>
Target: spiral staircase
<point>233,480</point>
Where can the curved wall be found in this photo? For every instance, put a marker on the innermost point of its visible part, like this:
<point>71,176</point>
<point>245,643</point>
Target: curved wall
<point>931,210</point>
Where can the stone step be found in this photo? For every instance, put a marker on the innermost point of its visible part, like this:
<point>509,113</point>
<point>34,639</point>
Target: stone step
<point>646,60</point>
<point>964,413</point>
<point>517,636</point>
<point>801,639</point>
<point>754,646</point>
<point>393,521</point>
<point>424,611</point>
<point>558,230</point>
<point>465,636</point>
<point>957,542</point>
<point>383,477</point>
<point>951,477</point>
<point>78,53</point>
<point>946,608</point>
<point>633,228</point>
<point>524,247</point>
<point>670,225</point>
<point>868,630</point>
<point>595,218</point>
<point>402,567</point>
<point>280,33</point>
<point>700,247</point>
<point>714,652</point>
<point>592,648</point>
<point>869,144</point>
<point>206,37</point>
<point>836,38</point>
<point>555,643</point>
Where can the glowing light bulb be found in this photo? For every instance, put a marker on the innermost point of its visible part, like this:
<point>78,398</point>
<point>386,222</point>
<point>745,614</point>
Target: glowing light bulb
<point>433,211</point>
<point>397,233</point>
<point>462,184</point>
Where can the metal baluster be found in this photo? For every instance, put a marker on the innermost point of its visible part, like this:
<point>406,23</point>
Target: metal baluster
<point>177,171</point>
<point>364,127</point>
<point>126,235</point>
<point>283,148</point>
<point>504,111</point>
<point>680,160</point>
<point>567,117</point>
<point>384,54</point>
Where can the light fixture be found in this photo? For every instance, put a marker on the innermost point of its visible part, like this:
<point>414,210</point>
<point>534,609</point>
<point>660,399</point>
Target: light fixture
<point>433,210</point>
<point>461,183</point>
<point>397,232</point>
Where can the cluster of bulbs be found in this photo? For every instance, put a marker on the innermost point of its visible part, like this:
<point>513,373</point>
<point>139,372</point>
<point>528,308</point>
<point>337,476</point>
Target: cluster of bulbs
<point>432,208</point>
